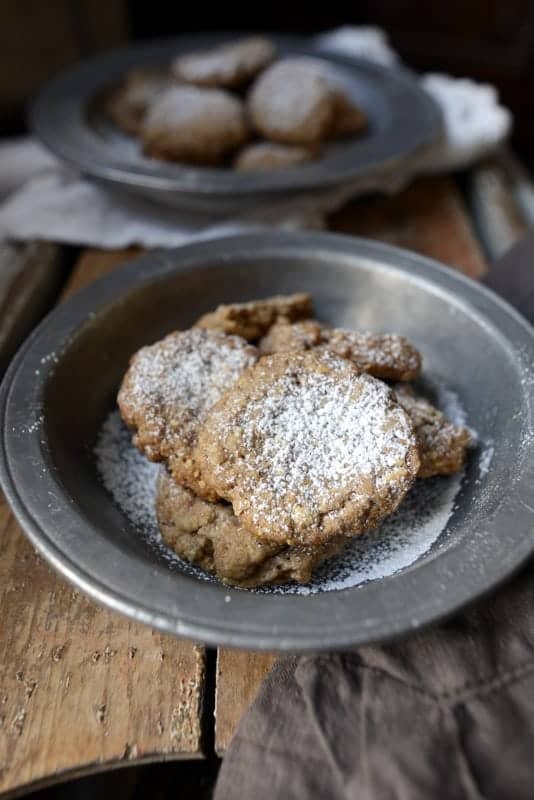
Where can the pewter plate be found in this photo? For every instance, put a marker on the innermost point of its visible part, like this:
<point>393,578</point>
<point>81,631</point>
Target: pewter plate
<point>62,385</point>
<point>69,117</point>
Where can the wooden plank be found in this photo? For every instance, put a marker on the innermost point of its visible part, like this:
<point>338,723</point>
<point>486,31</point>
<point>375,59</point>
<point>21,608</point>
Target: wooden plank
<point>430,218</point>
<point>82,689</point>
<point>239,675</point>
<point>30,277</point>
<point>94,263</point>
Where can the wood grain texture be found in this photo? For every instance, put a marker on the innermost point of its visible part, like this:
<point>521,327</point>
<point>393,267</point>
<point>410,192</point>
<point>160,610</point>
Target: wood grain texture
<point>30,276</point>
<point>81,688</point>
<point>94,263</point>
<point>430,218</point>
<point>239,675</point>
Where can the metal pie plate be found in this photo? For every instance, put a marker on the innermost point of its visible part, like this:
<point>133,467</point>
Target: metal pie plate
<point>63,383</point>
<point>69,116</point>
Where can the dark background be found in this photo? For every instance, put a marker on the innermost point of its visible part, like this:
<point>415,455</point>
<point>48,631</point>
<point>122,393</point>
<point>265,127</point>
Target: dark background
<point>489,40</point>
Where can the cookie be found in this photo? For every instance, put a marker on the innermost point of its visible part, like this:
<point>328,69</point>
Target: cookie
<point>385,355</point>
<point>228,66</point>
<point>266,156</point>
<point>252,320</point>
<point>348,118</point>
<point>128,104</point>
<point>307,449</point>
<point>442,444</point>
<point>212,537</point>
<point>197,126</point>
<point>292,103</point>
<point>168,389</point>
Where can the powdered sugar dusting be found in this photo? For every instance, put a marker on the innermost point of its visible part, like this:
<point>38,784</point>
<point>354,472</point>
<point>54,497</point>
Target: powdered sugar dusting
<point>449,404</point>
<point>442,444</point>
<point>127,475</point>
<point>225,65</point>
<point>171,384</point>
<point>401,539</point>
<point>190,106</point>
<point>388,350</point>
<point>190,367</point>
<point>484,462</point>
<point>384,355</point>
<point>289,94</point>
<point>405,537</point>
<point>315,440</point>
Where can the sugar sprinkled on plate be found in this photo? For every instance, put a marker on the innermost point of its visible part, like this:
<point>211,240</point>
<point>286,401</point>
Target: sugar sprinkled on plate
<point>404,537</point>
<point>127,475</point>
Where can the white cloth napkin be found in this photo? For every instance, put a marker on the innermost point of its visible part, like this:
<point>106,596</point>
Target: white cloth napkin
<point>47,200</point>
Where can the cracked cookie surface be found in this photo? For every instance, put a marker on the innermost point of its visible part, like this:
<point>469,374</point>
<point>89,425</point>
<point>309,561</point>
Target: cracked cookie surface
<point>306,448</point>
<point>292,103</point>
<point>198,126</point>
<point>442,444</point>
<point>251,320</point>
<point>169,388</point>
<point>387,355</point>
<point>227,66</point>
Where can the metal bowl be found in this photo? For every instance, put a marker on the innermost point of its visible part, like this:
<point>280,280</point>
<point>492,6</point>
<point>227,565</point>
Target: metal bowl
<point>63,383</point>
<point>69,117</point>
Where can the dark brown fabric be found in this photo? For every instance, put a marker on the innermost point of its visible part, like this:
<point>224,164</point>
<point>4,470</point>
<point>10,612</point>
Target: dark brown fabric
<point>447,714</point>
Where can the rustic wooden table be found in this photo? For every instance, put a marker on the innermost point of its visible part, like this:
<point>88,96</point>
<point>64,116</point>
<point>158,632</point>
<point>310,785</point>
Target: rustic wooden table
<point>82,689</point>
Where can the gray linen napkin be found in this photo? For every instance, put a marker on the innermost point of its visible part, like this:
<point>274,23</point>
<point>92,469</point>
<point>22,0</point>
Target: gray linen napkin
<point>447,714</point>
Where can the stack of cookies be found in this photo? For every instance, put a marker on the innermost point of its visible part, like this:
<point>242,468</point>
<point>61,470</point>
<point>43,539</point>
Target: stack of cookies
<point>280,438</point>
<point>235,104</point>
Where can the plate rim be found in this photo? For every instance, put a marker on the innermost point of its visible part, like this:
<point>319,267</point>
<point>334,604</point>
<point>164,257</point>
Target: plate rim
<point>203,182</point>
<point>139,272</point>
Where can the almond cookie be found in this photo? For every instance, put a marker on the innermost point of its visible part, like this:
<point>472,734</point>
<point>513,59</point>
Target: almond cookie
<point>384,355</point>
<point>128,104</point>
<point>211,536</point>
<point>292,103</point>
<point>265,156</point>
<point>348,118</point>
<point>442,444</point>
<point>168,389</point>
<point>228,66</point>
<point>197,126</point>
<point>306,449</point>
<point>252,320</point>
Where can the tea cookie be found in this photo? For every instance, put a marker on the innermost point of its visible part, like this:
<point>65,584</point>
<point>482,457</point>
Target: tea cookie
<point>265,156</point>
<point>128,104</point>
<point>307,449</point>
<point>211,536</point>
<point>384,355</point>
<point>168,389</point>
<point>292,103</point>
<point>348,118</point>
<point>442,444</point>
<point>198,126</point>
<point>251,320</point>
<point>228,66</point>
